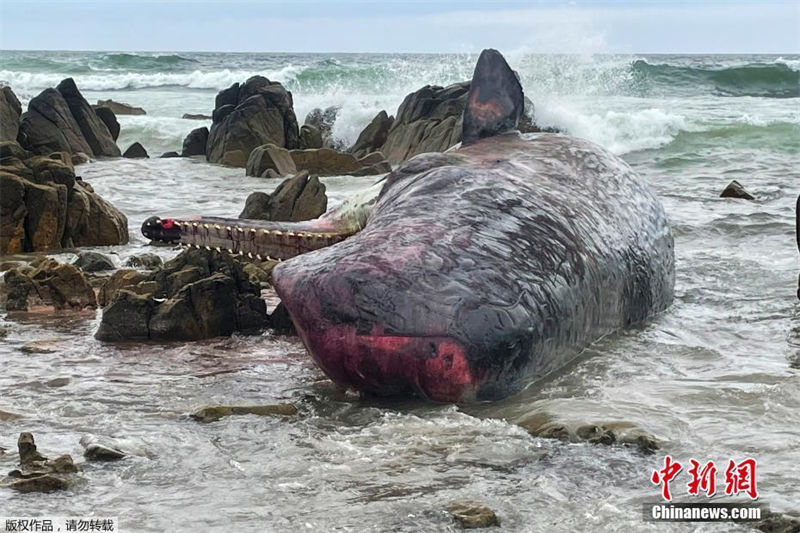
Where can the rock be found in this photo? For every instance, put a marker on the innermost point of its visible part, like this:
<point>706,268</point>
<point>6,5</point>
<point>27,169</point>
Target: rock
<point>46,216</point>
<point>322,120</point>
<point>373,136</point>
<point>256,113</point>
<point>10,111</point>
<point>120,108</point>
<point>136,151</point>
<point>280,321</point>
<point>51,283</point>
<point>5,416</point>
<point>269,156</point>
<point>94,130</point>
<point>310,137</point>
<point>168,155</point>
<point>471,515</point>
<point>28,453</point>
<point>195,142</point>
<point>301,197</point>
<point>12,214</point>
<point>41,483</point>
<point>778,523</point>
<point>66,160</point>
<point>234,158</point>
<point>79,159</point>
<point>736,190</point>
<point>97,450</point>
<point>327,162</point>
<point>373,163</point>
<point>13,149</point>
<point>51,170</point>
<point>93,262</point>
<point>109,119</point>
<point>199,294</point>
<point>121,279</point>
<point>260,273</point>
<point>57,382</point>
<point>41,347</point>
<point>37,473</point>
<point>190,116</point>
<point>214,413</point>
<point>607,433</point>
<point>145,261</point>
<point>270,174</point>
<point>92,221</point>
<point>48,126</point>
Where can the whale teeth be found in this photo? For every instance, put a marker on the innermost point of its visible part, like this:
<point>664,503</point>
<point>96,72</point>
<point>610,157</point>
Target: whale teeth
<point>252,230</point>
<point>240,230</point>
<point>228,228</point>
<point>194,224</point>
<point>250,255</point>
<point>278,233</point>
<point>266,232</point>
<point>217,226</point>
<point>258,257</point>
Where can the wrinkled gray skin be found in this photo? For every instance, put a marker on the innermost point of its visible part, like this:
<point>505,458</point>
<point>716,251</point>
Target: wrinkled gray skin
<point>483,269</point>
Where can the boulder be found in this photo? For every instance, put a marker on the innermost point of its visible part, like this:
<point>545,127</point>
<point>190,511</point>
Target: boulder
<point>93,262</point>
<point>310,137</point>
<point>301,197</point>
<point>120,108</point>
<point>472,515</point>
<point>109,119</point>
<point>191,116</point>
<point>328,162</point>
<point>253,114</point>
<point>45,222</point>
<point>195,142</point>
<point>46,170</point>
<point>121,279</point>
<point>234,158</point>
<point>736,190</point>
<point>48,126</point>
<point>61,286</point>
<point>322,119</point>
<point>94,130</point>
<point>10,111</point>
<point>217,412</point>
<point>136,151</point>
<point>169,155</point>
<point>79,159</point>
<point>373,136</point>
<point>197,295</point>
<point>145,261</point>
<point>269,156</point>
<point>13,149</point>
<point>92,221</point>
<point>12,213</point>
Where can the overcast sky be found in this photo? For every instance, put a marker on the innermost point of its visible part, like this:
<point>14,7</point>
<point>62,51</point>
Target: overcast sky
<point>580,26</point>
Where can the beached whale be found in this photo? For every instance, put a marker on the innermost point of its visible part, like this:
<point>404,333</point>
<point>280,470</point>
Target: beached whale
<point>473,272</point>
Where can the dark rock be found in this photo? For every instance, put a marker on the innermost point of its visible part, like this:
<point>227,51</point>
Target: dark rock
<point>10,111</point>
<point>778,523</point>
<point>49,170</point>
<point>97,450</point>
<point>28,453</point>
<point>12,213</point>
<point>13,149</point>
<point>120,108</point>
<point>121,279</point>
<point>51,283</point>
<point>373,136</point>
<point>472,515</point>
<point>92,221</point>
<point>214,413</point>
<point>135,151</point>
<point>48,126</point>
<point>126,318</point>
<point>327,162</point>
<point>373,163</point>
<point>310,137</point>
<point>37,473</point>
<point>79,159</point>
<point>234,158</point>
<point>256,113</point>
<point>146,261</point>
<point>191,116</point>
<point>298,198</point>
<point>269,156</point>
<point>93,262</point>
<point>736,190</point>
<point>109,119</point>
<point>195,142</point>
<point>280,321</point>
<point>322,120</point>
<point>46,218</point>
<point>168,155</point>
<point>94,130</point>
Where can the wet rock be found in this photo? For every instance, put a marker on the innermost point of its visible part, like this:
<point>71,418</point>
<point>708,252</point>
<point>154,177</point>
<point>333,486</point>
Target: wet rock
<point>108,117</point>
<point>10,111</point>
<point>280,321</point>
<point>234,158</point>
<point>169,155</point>
<point>97,450</point>
<point>198,116</point>
<point>37,473</point>
<point>260,273</point>
<point>121,108</point>
<point>214,413</point>
<point>373,136</point>
<point>41,346</point>
<point>327,162</point>
<point>322,120</point>
<point>61,286</point>
<point>57,382</point>
<point>79,159</point>
<point>93,262</point>
<point>195,142</point>
<point>11,148</point>
<point>28,453</point>
<point>607,433</point>
<point>472,515</point>
<point>199,294</point>
<point>269,156</point>
<point>373,163</point>
<point>135,151</point>
<point>92,221</point>
<point>94,130</point>
<point>144,261</point>
<point>39,483</point>
<point>310,137</point>
<point>48,126</point>
<point>301,197</point>
<point>256,113</point>
<point>5,416</point>
<point>736,190</point>
<point>3,332</point>
<point>778,523</point>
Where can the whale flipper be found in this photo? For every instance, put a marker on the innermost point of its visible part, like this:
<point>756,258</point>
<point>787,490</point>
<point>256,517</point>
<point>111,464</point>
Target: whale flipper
<point>495,100</point>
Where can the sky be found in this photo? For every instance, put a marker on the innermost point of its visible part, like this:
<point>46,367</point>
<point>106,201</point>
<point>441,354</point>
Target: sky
<point>536,26</point>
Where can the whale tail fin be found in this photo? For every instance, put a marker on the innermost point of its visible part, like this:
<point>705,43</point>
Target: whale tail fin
<point>495,101</point>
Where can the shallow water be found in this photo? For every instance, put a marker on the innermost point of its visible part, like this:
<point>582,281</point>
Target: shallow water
<point>717,376</point>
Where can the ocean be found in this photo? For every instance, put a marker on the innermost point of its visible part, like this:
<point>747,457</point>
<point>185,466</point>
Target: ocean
<point>715,377</point>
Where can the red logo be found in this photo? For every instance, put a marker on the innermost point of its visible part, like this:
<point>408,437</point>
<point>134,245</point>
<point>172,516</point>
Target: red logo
<point>739,477</point>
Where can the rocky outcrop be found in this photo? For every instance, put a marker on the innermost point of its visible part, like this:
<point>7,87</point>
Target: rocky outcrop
<point>246,116</point>
<point>135,151</point>
<point>310,137</point>
<point>37,473</point>
<point>93,262</point>
<point>61,120</point>
<point>268,157</point>
<point>49,284</point>
<point>197,295</point>
<point>736,190</point>
<point>10,111</point>
<point>373,137</point>
<point>120,108</point>
<point>320,122</point>
<point>298,198</point>
<point>94,130</point>
<point>195,142</point>
<point>193,116</point>
<point>43,206</point>
<point>109,119</point>
<point>328,162</point>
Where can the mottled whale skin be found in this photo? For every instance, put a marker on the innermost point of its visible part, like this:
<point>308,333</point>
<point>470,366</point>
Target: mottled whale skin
<point>484,269</point>
<point>475,272</point>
